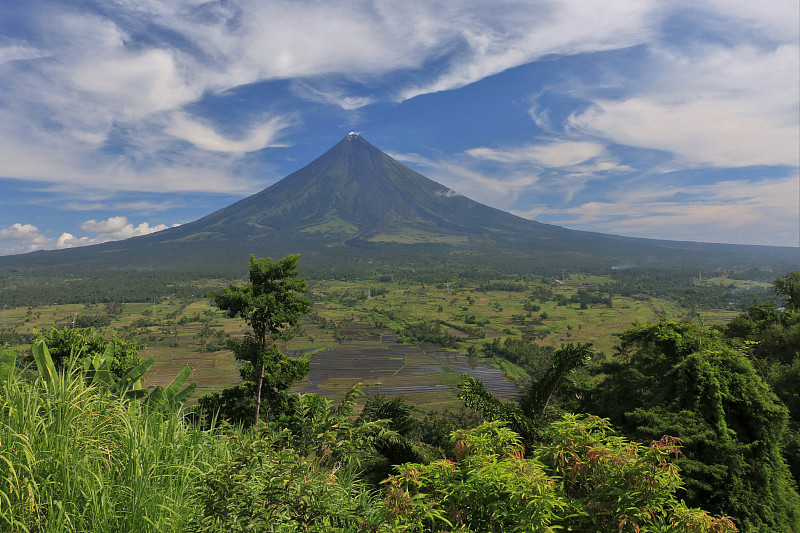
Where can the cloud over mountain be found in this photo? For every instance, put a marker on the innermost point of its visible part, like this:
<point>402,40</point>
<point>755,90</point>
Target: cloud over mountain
<point>143,100</point>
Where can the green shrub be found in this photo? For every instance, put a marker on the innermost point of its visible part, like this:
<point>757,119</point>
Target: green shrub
<point>76,458</point>
<point>587,479</point>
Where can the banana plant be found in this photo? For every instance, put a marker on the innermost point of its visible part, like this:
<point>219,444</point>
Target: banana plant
<point>173,396</point>
<point>129,386</point>
<point>44,363</point>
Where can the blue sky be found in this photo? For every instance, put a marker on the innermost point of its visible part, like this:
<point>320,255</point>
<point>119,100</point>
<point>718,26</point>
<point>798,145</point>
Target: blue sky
<point>674,120</point>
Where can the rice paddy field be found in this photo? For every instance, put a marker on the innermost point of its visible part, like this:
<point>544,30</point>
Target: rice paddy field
<point>351,335</point>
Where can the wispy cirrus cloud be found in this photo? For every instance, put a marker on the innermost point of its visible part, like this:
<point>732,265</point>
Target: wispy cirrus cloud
<point>204,136</point>
<point>553,154</point>
<point>464,179</point>
<point>192,97</point>
<point>129,71</point>
<point>720,106</point>
<point>744,211</point>
<point>13,52</point>
<point>496,37</point>
<point>562,167</point>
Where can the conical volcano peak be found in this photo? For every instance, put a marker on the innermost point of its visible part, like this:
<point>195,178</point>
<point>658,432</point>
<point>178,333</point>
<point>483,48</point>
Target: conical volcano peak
<point>355,139</point>
<point>351,141</point>
<point>355,201</point>
<point>355,192</point>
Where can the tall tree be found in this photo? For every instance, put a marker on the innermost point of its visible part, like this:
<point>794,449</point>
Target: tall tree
<point>681,379</point>
<point>770,337</point>
<point>271,304</point>
<point>789,287</point>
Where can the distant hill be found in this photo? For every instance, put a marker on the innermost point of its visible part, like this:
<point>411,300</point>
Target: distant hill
<point>355,204</point>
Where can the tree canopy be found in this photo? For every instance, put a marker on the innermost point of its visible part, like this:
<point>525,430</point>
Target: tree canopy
<point>271,304</point>
<point>681,379</point>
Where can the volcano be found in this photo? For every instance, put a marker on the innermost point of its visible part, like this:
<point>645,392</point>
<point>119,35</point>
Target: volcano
<point>355,194</point>
<point>356,203</point>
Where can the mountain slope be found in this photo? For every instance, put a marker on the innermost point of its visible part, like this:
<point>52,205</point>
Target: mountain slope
<point>356,203</point>
<point>356,191</point>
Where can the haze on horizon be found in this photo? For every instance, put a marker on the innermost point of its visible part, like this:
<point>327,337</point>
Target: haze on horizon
<point>675,120</point>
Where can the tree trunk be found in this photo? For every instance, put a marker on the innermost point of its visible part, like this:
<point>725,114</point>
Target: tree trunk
<point>258,392</point>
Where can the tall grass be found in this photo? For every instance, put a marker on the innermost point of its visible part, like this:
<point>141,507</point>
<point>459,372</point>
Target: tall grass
<point>74,458</point>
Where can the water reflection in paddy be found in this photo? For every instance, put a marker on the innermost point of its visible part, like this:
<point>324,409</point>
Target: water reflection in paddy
<point>391,368</point>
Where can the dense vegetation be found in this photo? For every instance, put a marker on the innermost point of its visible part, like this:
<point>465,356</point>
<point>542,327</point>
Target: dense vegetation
<point>680,413</point>
<point>78,458</point>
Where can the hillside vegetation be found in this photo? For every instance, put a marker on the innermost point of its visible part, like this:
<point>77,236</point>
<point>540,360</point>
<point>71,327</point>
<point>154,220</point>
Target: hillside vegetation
<point>685,403</point>
<point>76,458</point>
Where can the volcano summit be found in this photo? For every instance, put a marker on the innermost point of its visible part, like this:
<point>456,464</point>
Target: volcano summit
<point>356,203</point>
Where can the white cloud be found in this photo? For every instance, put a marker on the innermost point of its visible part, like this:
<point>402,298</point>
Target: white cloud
<point>99,75</point>
<point>463,179</point>
<point>204,136</point>
<point>64,165</point>
<point>93,85</point>
<point>777,18</point>
<point>21,238</point>
<point>502,36</point>
<point>118,228</point>
<point>246,41</point>
<point>724,107</point>
<point>18,52</point>
<point>556,154</point>
<point>68,240</point>
<point>328,93</point>
<point>99,63</point>
<point>102,203</point>
<point>561,168</point>
<point>735,211</point>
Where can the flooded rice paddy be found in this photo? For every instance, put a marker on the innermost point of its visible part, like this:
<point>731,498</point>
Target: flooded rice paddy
<point>382,366</point>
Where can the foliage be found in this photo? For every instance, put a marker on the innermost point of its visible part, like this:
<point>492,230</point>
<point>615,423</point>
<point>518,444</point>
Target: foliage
<point>582,481</point>
<point>788,287</point>
<point>11,336</point>
<point>270,304</point>
<point>434,427</point>
<point>396,410</point>
<point>564,361</point>
<point>685,286</point>
<point>8,359</point>
<point>298,478</point>
<point>238,403</point>
<point>428,332</point>
<point>491,487</point>
<point>405,447</point>
<point>96,372</point>
<point>234,405</point>
<point>531,356</point>
<point>333,436</point>
<point>41,286</point>
<point>771,338</point>
<point>476,397</point>
<point>527,417</point>
<point>92,321</point>
<point>266,487</point>
<point>682,379</point>
<point>67,344</point>
<point>76,458</point>
<point>612,483</point>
